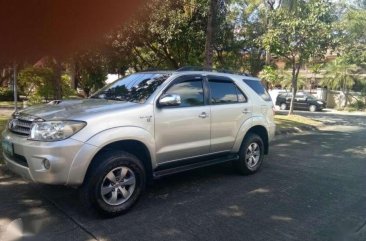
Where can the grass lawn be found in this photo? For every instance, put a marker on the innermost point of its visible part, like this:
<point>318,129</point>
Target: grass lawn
<point>10,104</point>
<point>286,121</point>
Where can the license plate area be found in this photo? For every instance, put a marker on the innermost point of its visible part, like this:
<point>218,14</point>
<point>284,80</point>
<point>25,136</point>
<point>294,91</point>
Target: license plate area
<point>8,148</point>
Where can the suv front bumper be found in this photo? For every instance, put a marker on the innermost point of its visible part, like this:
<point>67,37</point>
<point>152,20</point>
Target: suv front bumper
<point>29,157</point>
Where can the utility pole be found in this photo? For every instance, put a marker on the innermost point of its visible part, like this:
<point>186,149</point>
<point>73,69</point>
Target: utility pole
<point>15,87</point>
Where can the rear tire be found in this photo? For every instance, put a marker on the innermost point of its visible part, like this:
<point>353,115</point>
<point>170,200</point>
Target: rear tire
<point>251,155</point>
<point>312,108</point>
<point>113,183</point>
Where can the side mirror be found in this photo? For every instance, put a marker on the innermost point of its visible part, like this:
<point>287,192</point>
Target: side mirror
<point>169,100</point>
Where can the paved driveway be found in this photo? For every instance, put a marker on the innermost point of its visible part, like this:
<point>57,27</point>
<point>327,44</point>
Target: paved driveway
<point>311,187</point>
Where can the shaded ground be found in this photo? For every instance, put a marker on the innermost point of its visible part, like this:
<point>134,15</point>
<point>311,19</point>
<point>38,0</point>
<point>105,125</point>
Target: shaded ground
<point>311,187</point>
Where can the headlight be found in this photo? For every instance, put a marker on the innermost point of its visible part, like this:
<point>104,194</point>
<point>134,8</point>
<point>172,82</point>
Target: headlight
<point>319,102</point>
<point>55,130</point>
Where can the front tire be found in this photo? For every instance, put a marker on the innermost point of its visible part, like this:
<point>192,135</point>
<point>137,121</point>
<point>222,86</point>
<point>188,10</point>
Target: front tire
<point>283,106</point>
<point>251,155</point>
<point>114,183</point>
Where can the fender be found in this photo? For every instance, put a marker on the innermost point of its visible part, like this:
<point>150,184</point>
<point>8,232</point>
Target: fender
<point>253,121</point>
<point>94,144</point>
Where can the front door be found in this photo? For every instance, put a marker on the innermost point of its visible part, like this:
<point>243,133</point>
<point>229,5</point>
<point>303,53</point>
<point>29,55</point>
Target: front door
<point>183,131</point>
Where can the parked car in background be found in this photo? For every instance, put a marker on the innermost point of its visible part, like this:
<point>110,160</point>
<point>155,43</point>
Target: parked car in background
<point>302,101</point>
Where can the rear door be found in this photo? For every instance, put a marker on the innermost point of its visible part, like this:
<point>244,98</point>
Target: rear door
<point>229,109</point>
<point>300,101</point>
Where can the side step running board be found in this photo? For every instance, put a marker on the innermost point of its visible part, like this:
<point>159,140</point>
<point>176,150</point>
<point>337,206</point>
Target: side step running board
<point>183,168</point>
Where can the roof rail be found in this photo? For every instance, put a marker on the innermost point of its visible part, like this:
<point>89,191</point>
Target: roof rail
<point>199,68</point>
<point>155,69</point>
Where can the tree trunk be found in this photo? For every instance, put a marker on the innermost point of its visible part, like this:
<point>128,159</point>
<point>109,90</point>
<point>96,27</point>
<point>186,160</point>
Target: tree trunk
<point>57,82</point>
<point>57,86</point>
<point>295,74</point>
<point>346,97</point>
<point>210,34</point>
<point>72,72</point>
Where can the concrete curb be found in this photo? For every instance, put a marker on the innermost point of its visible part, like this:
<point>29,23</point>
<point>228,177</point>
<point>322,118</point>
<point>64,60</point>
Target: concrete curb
<point>295,130</point>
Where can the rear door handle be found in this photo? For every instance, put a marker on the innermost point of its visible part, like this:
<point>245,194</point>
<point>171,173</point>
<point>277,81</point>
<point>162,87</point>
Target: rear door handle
<point>203,115</point>
<point>246,111</point>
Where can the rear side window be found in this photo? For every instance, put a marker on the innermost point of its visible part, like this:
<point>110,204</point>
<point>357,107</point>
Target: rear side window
<point>225,93</point>
<point>259,88</point>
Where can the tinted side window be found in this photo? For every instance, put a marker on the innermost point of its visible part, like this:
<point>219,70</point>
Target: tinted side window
<point>191,92</point>
<point>258,87</point>
<point>241,97</point>
<point>225,93</point>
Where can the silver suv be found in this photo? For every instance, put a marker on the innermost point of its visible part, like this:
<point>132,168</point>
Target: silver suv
<point>141,127</point>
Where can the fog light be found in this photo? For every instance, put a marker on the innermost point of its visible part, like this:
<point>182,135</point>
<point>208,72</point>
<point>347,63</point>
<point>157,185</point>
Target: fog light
<point>46,164</point>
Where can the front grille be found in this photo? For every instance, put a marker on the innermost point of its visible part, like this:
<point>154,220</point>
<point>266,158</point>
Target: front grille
<point>20,126</point>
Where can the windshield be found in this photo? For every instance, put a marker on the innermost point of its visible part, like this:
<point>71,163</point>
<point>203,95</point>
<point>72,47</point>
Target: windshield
<point>133,88</point>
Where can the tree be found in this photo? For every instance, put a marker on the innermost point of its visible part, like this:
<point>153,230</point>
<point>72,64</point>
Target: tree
<point>341,75</point>
<point>353,43</point>
<point>164,34</point>
<point>245,24</point>
<point>270,75</point>
<point>90,71</point>
<point>297,36</point>
<point>38,82</point>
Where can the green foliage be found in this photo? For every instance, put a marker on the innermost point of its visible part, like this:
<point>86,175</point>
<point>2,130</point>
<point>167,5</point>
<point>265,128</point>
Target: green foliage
<point>91,71</point>
<point>67,91</point>
<point>339,75</point>
<point>306,32</point>
<point>165,34</point>
<point>353,46</point>
<point>6,94</point>
<point>38,82</point>
<point>35,99</point>
<point>249,22</point>
<point>358,105</point>
<point>270,75</point>
<point>343,76</point>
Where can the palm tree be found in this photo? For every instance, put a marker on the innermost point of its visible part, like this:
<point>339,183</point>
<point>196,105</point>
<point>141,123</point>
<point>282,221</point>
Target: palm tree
<point>340,75</point>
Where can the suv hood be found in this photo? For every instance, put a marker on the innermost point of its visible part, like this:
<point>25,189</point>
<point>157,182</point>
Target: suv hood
<point>73,109</point>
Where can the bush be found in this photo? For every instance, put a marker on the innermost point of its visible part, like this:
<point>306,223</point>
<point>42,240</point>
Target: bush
<point>35,99</point>
<point>358,105</point>
<point>6,94</point>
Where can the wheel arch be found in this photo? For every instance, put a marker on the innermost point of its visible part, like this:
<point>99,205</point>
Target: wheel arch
<point>255,126</point>
<point>134,140</point>
<point>134,147</point>
<point>262,132</point>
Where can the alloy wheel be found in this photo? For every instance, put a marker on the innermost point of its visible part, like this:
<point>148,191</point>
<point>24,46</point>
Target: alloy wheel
<point>118,185</point>
<point>252,155</point>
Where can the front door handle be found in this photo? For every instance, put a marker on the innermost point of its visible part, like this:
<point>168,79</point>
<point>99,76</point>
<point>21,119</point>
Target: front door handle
<point>203,115</point>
